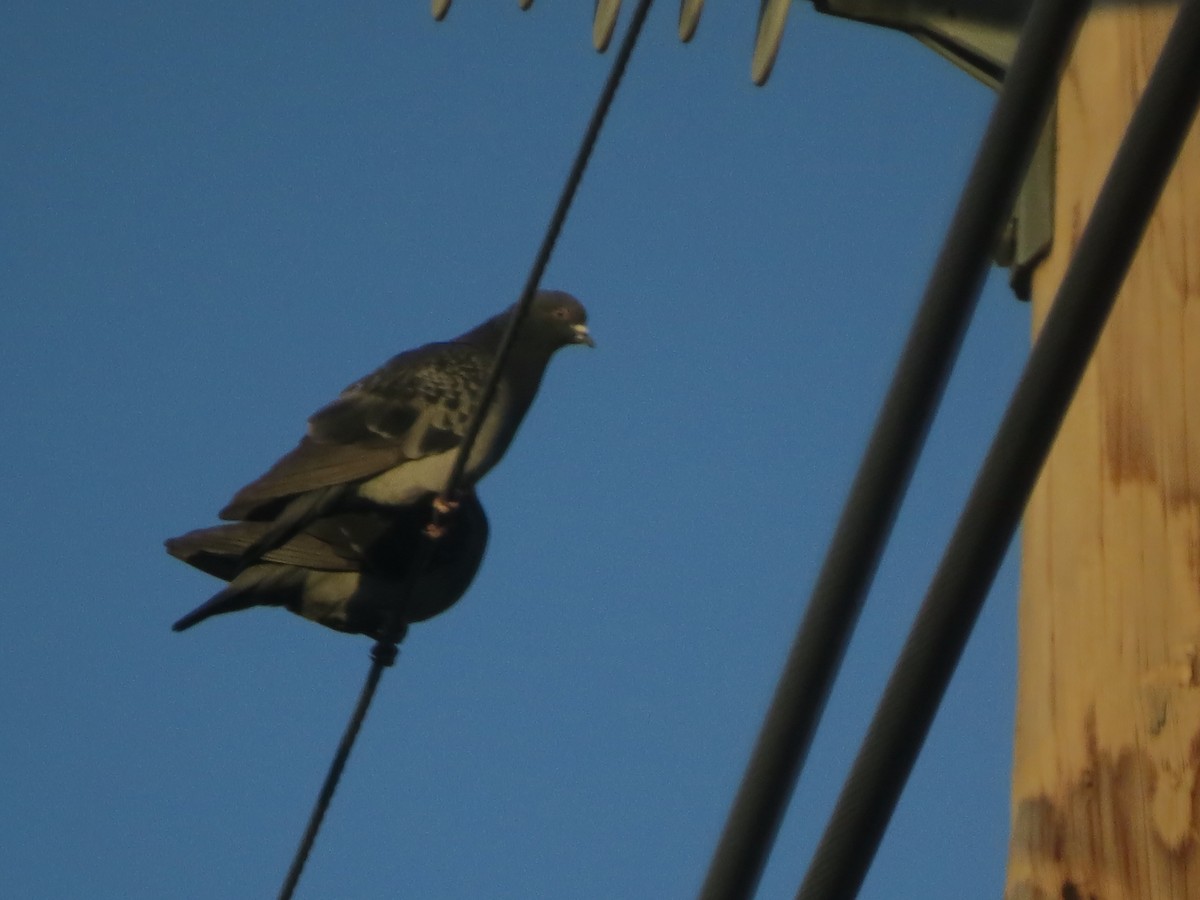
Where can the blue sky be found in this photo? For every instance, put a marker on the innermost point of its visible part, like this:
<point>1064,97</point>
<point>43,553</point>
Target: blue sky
<point>216,216</point>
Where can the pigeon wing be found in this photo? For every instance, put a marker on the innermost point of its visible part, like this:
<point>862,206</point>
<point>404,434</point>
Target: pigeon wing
<point>218,551</point>
<point>418,404</point>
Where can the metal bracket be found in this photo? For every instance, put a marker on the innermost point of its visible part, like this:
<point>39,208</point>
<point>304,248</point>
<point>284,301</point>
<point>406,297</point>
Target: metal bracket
<point>978,36</point>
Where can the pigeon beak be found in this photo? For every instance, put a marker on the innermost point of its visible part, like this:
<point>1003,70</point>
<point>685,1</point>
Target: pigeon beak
<point>582,335</point>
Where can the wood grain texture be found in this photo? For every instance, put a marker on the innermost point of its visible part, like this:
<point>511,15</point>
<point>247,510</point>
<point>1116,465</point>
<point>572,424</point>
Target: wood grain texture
<point>1106,803</point>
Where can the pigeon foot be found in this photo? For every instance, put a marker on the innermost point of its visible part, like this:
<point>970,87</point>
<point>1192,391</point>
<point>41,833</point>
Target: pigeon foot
<point>442,506</point>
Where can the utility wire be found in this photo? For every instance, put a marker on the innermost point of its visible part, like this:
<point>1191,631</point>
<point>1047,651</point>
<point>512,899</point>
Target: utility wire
<point>552,231</point>
<point>1055,367</point>
<point>378,664</point>
<point>891,455</point>
<point>383,654</point>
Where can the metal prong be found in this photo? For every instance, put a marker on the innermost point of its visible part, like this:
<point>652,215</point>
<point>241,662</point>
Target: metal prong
<point>689,18</point>
<point>603,23</point>
<point>772,15</point>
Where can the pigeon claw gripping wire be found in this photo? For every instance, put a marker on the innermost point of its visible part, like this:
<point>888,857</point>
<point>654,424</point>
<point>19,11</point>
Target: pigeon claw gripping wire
<point>444,505</point>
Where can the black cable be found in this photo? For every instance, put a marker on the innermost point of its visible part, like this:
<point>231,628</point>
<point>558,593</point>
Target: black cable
<point>887,465</point>
<point>379,661</point>
<point>1026,433</point>
<point>548,242</point>
<point>383,654</point>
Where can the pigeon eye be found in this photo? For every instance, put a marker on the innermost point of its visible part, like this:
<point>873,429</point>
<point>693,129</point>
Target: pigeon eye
<point>560,312</point>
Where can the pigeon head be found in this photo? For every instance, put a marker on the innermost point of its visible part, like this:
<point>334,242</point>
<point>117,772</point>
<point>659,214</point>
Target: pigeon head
<point>555,319</point>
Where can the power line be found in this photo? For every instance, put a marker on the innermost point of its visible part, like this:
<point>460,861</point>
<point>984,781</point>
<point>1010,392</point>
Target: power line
<point>1055,367</point>
<point>890,457</point>
<point>339,763</point>
<point>383,654</point>
<point>552,231</point>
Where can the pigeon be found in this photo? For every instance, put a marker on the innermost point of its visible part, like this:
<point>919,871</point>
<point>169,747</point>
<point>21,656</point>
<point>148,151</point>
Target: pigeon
<point>347,571</point>
<point>393,436</point>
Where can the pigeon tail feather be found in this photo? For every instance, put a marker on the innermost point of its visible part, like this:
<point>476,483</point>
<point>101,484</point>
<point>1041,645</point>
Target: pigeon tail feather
<point>296,516</point>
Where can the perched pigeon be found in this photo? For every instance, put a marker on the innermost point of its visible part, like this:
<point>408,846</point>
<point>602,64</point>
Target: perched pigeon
<point>392,436</point>
<point>347,571</point>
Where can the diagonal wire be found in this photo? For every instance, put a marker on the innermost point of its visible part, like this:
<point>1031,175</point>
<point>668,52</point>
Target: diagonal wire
<point>892,452</point>
<point>552,232</point>
<point>383,654</point>
<point>1055,367</point>
<point>379,661</point>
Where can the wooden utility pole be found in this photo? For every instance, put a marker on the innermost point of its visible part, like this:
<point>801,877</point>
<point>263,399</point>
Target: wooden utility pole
<point>1106,799</point>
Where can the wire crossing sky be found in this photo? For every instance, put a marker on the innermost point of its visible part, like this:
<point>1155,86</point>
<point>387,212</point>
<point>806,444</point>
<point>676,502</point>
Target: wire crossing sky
<point>216,218</point>
<point>383,654</point>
